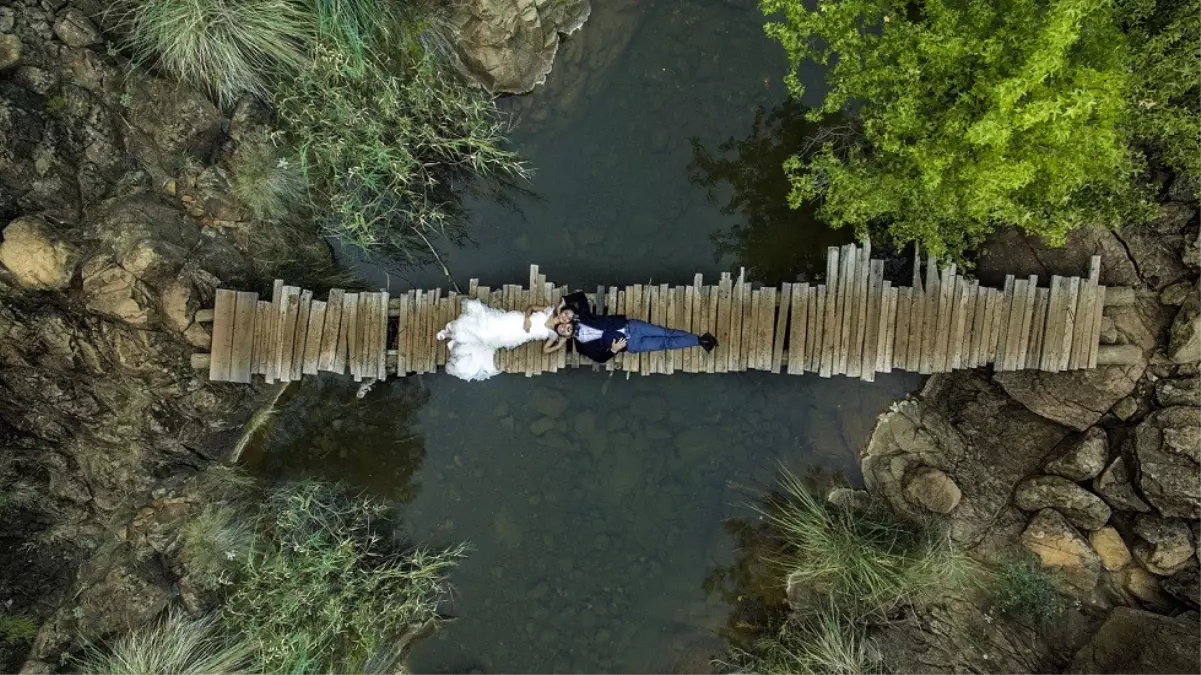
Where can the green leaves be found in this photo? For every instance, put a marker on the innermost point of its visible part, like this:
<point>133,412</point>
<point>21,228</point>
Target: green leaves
<point>976,114</point>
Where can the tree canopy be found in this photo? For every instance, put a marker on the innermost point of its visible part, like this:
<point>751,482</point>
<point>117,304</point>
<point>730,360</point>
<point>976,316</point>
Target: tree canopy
<point>966,115</point>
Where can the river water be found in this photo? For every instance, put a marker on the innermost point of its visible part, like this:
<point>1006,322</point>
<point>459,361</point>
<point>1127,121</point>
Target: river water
<point>599,507</point>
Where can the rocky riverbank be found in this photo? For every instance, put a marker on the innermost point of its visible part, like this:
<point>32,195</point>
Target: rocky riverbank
<point>1095,472</point>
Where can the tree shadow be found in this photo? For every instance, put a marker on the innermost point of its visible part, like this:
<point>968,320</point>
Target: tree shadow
<point>776,243</point>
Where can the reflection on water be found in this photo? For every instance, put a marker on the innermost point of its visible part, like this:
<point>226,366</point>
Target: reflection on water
<point>594,503</point>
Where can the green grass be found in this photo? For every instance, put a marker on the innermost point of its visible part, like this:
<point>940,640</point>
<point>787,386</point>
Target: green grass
<point>870,561</point>
<point>267,180</point>
<point>827,642</point>
<point>224,47</point>
<point>16,633</point>
<point>1022,590</point>
<point>173,645</point>
<point>328,586</point>
<point>214,544</point>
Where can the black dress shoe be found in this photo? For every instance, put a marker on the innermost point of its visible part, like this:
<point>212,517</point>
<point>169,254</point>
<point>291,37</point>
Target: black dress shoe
<point>708,342</point>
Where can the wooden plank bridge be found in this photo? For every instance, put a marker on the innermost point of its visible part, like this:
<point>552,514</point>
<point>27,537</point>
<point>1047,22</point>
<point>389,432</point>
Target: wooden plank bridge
<point>857,324</point>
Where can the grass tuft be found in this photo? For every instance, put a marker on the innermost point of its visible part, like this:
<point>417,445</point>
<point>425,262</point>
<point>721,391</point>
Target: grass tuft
<point>215,543</point>
<point>823,643</point>
<point>1023,590</point>
<point>175,645</point>
<point>266,180</point>
<point>868,560</point>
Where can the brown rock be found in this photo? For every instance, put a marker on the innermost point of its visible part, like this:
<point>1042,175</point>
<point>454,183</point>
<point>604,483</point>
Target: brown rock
<point>1083,458</point>
<point>1061,548</point>
<point>1186,391</point>
<point>35,256</point>
<point>1109,546</point>
<point>1166,546</point>
<point>10,51</point>
<point>1135,641</point>
<point>113,291</point>
<point>509,45</point>
<point>1117,488</point>
<point>77,30</point>
<point>932,490</point>
<point>1184,344</point>
<point>1146,587</point>
<point>179,304</point>
<point>1079,506</point>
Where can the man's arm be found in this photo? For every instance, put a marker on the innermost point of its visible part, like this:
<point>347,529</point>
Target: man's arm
<point>596,350</point>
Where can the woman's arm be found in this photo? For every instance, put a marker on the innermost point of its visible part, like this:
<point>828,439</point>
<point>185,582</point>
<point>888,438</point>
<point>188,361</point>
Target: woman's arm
<point>527,323</point>
<point>553,345</point>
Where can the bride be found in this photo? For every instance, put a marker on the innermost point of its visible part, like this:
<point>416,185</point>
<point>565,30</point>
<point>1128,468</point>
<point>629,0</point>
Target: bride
<point>480,330</point>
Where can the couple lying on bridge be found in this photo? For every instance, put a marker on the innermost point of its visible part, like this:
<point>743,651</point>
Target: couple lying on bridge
<point>481,330</point>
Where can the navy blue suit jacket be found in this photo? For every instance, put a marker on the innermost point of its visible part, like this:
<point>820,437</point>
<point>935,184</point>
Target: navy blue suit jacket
<point>599,350</point>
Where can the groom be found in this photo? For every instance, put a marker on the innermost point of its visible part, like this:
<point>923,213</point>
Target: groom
<point>601,337</point>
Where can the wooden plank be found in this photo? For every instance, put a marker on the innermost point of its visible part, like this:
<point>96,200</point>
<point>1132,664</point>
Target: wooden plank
<point>711,357</point>
<point>224,312</point>
<point>857,311</point>
<point>874,316</point>
<point>929,317</point>
<point>673,322</point>
<point>241,363</point>
<point>917,322</point>
<point>900,328</point>
<point>688,309</point>
<point>445,316</point>
<point>371,334</point>
<point>784,303</point>
<point>658,311</point>
<point>980,303</point>
<point>887,330</point>
<point>830,319</point>
<point>300,333</point>
<point>763,328</point>
<point>287,333</point>
<point>361,358</point>
<point>748,327</point>
<point>946,311</point>
<point>272,338</point>
<point>702,322</point>
<point>1027,321</point>
<point>1004,309</point>
<point>1037,328</point>
<point>339,360</point>
<point>1096,329</point>
<point>350,318</point>
<point>329,331</point>
<point>959,323</point>
<point>969,322</point>
<point>418,328</point>
<point>262,344</point>
<point>724,304</point>
<point>1070,322</point>
<point>848,303</point>
<point>735,361</point>
<point>1053,333</point>
<point>382,364</point>
<point>312,342</point>
<point>402,331</point>
<point>817,323</point>
<point>798,314</point>
<point>1013,327</point>
<point>1084,317</point>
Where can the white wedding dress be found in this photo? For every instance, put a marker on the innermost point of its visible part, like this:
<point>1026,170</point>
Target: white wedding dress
<point>480,330</point>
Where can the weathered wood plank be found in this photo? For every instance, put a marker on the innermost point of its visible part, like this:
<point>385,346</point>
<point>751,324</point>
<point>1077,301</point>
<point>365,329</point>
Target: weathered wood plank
<point>675,317</point>
<point>225,307</point>
<point>382,364</point>
<point>711,362</point>
<point>830,320</point>
<point>350,320</point>
<point>272,339</point>
<point>817,323</point>
<point>1019,361</point>
<point>798,312</point>
<point>1082,337</point>
<point>959,323</point>
<point>917,322</point>
<point>262,331</point>
<point>930,317</point>
<point>312,343</point>
<point>965,349</point>
<point>847,303</point>
<point>689,311</point>
<point>242,351</point>
<point>329,331</point>
<point>946,310</point>
<point>858,310</point>
<point>979,327</point>
<point>1070,322</point>
<point>784,302</point>
<point>1096,329</point>
<point>748,327</point>
<point>998,324</point>
<point>287,333</point>
<point>874,317</point>
<point>656,317</point>
<point>671,314</point>
<point>888,328</point>
<point>1004,308</point>
<point>1038,325</point>
<point>724,320</point>
<point>900,347</point>
<point>301,333</point>
<point>403,317</point>
<point>1013,327</point>
<point>736,362</point>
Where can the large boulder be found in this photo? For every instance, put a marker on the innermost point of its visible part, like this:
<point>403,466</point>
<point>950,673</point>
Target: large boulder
<point>1165,545</point>
<point>1061,548</point>
<point>509,45</point>
<point>1185,585</point>
<point>932,490</point>
<point>1075,398</point>
<point>1135,641</point>
<point>36,256</point>
<point>1184,342</point>
<point>1081,459</point>
<point>1185,391</point>
<point>1013,252</point>
<point>1079,506</point>
<point>111,290</point>
<point>1108,544</point>
<point>1167,445</point>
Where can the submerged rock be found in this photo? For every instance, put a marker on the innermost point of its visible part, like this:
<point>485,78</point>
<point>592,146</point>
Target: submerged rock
<point>1083,458</point>
<point>1135,641</point>
<point>1079,506</point>
<point>1061,548</point>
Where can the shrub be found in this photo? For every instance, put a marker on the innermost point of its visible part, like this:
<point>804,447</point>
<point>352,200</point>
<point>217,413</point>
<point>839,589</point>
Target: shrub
<point>824,643</point>
<point>328,587</point>
<point>864,564</point>
<point>214,544</point>
<point>174,645</point>
<point>224,47</point>
<point>972,115</point>
<point>1024,591</point>
<point>383,144</point>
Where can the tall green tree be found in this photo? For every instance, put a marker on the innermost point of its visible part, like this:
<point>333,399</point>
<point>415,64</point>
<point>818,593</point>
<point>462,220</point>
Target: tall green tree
<point>967,115</point>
